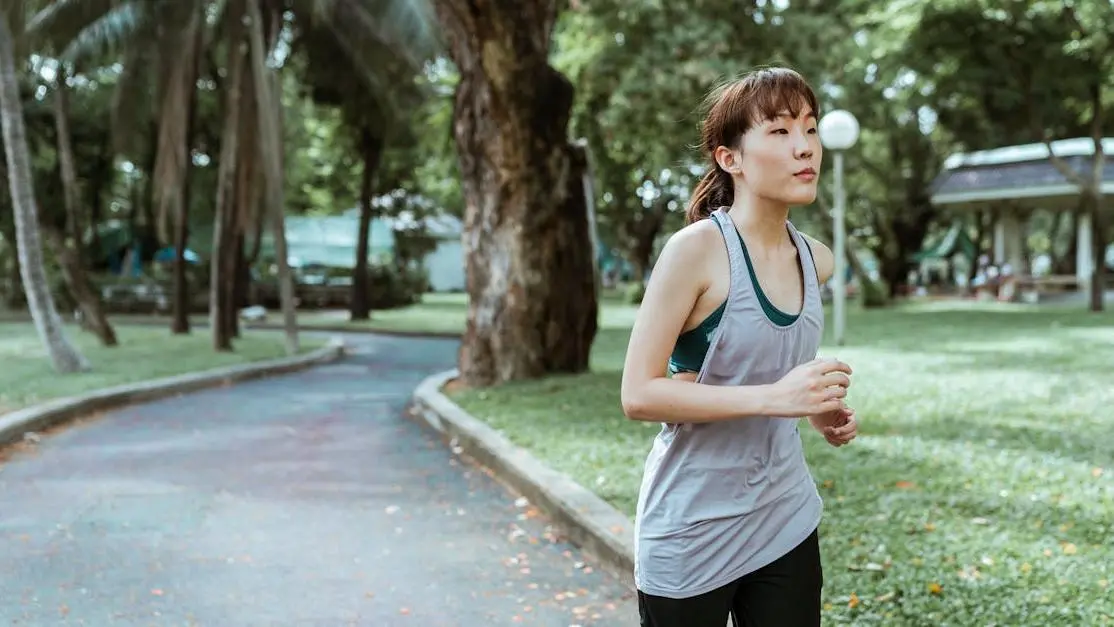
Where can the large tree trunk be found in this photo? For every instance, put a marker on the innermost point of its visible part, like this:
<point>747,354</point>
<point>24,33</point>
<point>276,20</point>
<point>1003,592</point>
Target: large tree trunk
<point>371,148</point>
<point>71,259</point>
<point>532,297</point>
<point>224,239</point>
<point>269,148</point>
<point>63,355</point>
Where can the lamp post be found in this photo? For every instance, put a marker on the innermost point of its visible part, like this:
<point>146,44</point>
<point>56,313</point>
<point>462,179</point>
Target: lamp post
<point>838,131</point>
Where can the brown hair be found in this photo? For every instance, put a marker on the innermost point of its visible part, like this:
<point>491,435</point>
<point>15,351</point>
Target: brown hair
<point>733,108</point>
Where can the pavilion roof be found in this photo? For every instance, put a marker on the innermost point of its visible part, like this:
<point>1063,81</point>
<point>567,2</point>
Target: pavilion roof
<point>1023,174</point>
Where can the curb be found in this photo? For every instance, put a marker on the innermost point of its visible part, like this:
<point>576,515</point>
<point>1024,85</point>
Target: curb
<point>37,418</point>
<point>588,521</point>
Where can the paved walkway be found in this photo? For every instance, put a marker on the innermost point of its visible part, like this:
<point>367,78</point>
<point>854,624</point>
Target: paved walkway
<point>302,500</point>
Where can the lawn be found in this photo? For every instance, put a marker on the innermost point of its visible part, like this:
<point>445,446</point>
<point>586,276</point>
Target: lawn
<point>143,353</point>
<point>980,491</point>
<point>436,313</point>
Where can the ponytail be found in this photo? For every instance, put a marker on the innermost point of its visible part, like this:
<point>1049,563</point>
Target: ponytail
<point>715,190</point>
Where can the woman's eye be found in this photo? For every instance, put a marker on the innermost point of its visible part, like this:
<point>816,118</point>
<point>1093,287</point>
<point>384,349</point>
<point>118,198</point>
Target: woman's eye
<point>812,130</point>
<point>781,131</point>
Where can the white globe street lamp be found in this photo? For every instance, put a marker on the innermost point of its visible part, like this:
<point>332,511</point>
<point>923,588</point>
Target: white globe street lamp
<point>839,130</point>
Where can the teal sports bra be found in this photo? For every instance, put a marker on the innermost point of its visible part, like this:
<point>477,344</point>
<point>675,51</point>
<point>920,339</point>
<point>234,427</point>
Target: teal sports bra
<point>692,345</point>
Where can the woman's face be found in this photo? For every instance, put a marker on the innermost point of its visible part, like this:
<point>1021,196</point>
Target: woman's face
<point>780,159</point>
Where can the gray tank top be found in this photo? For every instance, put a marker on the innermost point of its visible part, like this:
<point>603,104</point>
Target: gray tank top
<point>720,500</point>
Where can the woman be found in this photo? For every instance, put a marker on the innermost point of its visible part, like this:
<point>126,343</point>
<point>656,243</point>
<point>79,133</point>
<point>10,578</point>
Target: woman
<point>728,511</point>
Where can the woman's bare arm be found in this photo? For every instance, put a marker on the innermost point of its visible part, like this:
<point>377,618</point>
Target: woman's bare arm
<point>674,287</point>
<point>680,276</point>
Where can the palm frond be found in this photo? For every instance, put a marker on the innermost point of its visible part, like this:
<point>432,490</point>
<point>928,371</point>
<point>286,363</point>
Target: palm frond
<point>61,21</point>
<point>365,27</point>
<point>111,32</point>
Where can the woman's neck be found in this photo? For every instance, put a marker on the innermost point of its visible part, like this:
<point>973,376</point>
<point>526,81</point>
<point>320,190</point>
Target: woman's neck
<point>761,219</point>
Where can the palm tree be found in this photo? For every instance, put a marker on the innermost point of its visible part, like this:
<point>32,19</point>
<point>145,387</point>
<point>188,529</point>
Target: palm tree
<point>249,33</point>
<point>70,257</point>
<point>48,323</point>
<point>158,44</point>
<point>376,110</point>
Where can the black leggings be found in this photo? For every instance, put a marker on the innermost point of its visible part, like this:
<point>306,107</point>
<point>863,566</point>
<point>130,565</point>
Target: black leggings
<point>785,593</point>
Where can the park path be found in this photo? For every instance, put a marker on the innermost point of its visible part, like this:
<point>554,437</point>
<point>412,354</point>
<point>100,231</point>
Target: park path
<point>306,499</point>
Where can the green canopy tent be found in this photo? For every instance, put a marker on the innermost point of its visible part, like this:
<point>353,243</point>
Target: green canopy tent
<point>955,241</point>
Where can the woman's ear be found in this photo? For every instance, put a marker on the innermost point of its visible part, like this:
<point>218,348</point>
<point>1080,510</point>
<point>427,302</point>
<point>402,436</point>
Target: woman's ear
<point>730,160</point>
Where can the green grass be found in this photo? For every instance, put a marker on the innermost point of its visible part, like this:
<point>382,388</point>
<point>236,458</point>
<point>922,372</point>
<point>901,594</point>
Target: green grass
<point>143,353</point>
<point>436,313</point>
<point>985,463</point>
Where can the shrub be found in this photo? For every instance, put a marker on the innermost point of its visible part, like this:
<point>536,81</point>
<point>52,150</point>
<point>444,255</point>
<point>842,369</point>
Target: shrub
<point>396,286</point>
<point>634,293</point>
<point>874,294</point>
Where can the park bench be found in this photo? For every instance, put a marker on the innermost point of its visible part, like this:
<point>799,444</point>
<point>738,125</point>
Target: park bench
<point>1032,288</point>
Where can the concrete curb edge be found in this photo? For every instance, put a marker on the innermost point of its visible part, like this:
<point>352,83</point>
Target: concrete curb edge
<point>37,418</point>
<point>588,521</point>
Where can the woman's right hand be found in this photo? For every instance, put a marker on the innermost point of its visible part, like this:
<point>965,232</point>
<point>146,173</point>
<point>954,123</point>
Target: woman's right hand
<point>815,387</point>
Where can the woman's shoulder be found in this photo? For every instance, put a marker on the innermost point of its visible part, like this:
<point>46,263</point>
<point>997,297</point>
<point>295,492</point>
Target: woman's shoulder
<point>693,247</point>
<point>695,238</point>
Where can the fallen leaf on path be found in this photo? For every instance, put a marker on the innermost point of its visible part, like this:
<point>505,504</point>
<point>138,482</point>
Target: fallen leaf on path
<point>904,485</point>
<point>853,602</point>
<point>935,588</point>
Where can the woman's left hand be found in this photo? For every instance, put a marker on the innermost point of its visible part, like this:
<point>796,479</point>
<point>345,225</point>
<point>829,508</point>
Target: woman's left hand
<point>838,427</point>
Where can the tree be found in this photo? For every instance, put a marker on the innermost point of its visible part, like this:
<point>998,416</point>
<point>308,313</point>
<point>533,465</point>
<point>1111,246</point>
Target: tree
<point>374,110</point>
<point>70,255</point>
<point>529,266</point>
<point>63,355</point>
<point>1031,72</point>
<point>159,44</point>
<point>269,100</point>
<point>642,154</point>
